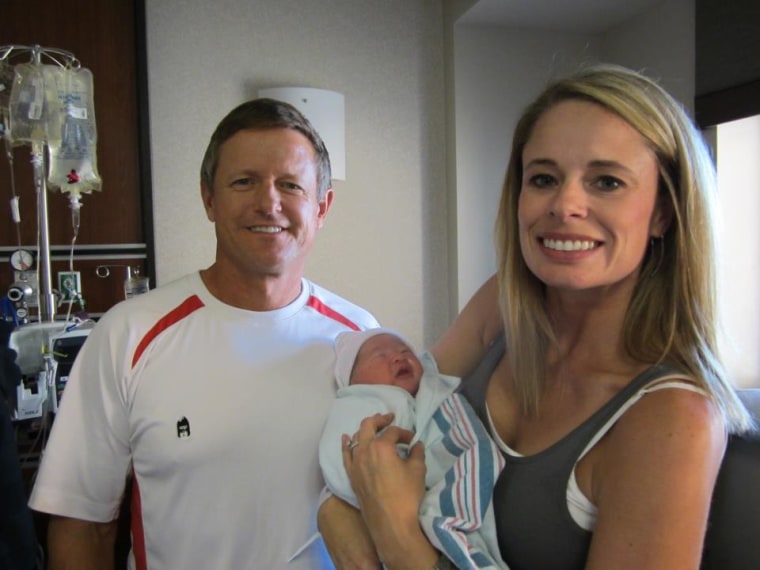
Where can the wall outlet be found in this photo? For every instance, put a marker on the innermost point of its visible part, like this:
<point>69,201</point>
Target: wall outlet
<point>30,278</point>
<point>69,285</point>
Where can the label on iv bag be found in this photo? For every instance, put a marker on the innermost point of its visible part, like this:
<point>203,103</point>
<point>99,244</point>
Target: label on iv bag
<point>34,96</point>
<point>76,112</point>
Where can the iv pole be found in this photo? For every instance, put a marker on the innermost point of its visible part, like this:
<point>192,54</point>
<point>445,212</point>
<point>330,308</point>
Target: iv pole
<point>46,297</point>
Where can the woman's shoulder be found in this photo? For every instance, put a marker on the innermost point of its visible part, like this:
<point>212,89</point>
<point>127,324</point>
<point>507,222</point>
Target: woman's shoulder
<point>673,400</point>
<point>671,419</point>
<point>653,474</point>
<point>666,398</point>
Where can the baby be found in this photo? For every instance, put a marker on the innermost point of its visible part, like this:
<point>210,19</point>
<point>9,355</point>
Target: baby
<point>382,358</point>
<point>377,371</point>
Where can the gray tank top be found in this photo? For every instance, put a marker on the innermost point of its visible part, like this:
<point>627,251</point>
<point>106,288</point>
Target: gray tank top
<point>534,527</point>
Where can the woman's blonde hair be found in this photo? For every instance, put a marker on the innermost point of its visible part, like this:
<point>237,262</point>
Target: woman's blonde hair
<point>672,314</point>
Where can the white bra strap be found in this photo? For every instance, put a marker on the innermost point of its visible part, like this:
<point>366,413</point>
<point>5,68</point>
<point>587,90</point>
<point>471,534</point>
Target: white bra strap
<point>668,381</point>
<point>664,383</point>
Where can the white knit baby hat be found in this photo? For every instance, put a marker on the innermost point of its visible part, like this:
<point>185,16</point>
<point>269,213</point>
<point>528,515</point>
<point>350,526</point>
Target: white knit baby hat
<point>347,345</point>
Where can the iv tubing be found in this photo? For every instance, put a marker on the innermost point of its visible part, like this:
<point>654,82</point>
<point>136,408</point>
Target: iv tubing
<point>15,212</point>
<point>76,206</point>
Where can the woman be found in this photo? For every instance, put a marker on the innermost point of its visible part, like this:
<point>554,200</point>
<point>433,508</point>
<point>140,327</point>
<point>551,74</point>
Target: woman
<point>605,392</point>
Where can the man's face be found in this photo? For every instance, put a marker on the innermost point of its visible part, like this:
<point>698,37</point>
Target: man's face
<point>264,202</point>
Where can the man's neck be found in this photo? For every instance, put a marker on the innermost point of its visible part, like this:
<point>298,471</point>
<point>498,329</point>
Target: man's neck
<point>256,293</point>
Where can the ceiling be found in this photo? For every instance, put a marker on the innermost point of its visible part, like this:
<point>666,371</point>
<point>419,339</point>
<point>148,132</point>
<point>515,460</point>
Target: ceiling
<point>582,16</point>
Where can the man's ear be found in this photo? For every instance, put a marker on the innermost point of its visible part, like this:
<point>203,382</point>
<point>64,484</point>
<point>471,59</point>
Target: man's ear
<point>208,201</point>
<point>324,206</point>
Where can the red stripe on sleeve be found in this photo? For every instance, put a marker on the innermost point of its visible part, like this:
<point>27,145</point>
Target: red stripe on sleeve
<point>174,316</point>
<point>323,309</point>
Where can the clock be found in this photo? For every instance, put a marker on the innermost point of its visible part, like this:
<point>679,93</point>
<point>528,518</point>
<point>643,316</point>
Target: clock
<point>22,260</point>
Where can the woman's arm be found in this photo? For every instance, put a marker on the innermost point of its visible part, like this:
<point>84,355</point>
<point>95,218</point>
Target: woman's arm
<point>653,480</point>
<point>461,347</point>
<point>346,536</point>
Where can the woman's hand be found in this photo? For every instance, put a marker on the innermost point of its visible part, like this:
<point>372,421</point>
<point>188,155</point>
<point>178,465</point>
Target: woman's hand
<point>389,490</point>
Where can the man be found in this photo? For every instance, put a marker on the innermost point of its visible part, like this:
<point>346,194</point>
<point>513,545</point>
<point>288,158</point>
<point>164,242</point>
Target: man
<point>211,392</point>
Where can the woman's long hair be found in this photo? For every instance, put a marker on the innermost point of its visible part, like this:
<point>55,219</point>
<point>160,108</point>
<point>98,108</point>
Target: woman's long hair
<point>672,314</point>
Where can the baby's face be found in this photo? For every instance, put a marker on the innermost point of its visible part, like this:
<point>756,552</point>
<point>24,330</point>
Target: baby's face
<point>386,359</point>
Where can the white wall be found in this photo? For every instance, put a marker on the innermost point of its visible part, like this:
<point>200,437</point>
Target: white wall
<point>660,43</point>
<point>384,245</point>
<point>738,146</point>
<point>499,70</point>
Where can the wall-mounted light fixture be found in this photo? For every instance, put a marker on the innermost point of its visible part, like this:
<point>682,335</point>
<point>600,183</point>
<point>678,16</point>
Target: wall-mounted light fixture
<point>326,111</point>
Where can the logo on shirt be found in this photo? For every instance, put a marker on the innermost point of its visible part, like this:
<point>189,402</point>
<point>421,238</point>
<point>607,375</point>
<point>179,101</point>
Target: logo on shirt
<point>183,428</point>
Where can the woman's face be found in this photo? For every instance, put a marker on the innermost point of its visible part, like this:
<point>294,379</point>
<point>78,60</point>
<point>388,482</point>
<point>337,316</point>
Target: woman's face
<point>588,199</point>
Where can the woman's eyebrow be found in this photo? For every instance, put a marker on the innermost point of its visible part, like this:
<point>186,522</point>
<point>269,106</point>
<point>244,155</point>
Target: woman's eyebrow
<point>540,162</point>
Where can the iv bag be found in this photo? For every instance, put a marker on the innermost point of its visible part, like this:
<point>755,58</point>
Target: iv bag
<point>6,84</point>
<point>27,104</point>
<point>71,131</point>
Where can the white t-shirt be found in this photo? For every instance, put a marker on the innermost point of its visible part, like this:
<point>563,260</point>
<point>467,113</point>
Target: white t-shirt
<point>216,410</point>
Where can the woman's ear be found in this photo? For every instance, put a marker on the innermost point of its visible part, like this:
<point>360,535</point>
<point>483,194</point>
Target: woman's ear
<point>662,215</point>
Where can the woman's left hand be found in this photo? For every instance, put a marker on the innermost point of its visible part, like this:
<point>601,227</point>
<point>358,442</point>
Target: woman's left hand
<point>389,488</point>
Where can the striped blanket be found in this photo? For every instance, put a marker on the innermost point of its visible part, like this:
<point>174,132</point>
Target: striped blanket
<point>456,512</point>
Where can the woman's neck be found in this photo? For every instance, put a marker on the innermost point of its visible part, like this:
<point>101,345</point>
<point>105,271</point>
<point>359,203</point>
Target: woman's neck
<point>588,326</point>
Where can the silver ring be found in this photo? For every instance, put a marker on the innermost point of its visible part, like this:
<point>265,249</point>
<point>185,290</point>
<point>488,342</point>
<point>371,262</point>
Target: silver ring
<point>351,444</point>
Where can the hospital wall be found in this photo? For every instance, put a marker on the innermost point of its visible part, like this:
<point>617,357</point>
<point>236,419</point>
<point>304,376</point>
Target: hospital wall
<point>384,243</point>
<point>430,105</point>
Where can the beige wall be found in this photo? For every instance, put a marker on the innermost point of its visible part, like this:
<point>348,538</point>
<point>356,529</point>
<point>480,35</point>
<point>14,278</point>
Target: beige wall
<point>384,245</point>
<point>409,236</point>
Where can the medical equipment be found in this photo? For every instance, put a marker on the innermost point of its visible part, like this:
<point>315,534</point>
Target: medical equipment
<point>134,283</point>
<point>46,102</point>
<point>51,108</point>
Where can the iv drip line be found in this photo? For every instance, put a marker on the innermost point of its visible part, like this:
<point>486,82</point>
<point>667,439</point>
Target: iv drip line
<point>15,211</point>
<point>75,204</point>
